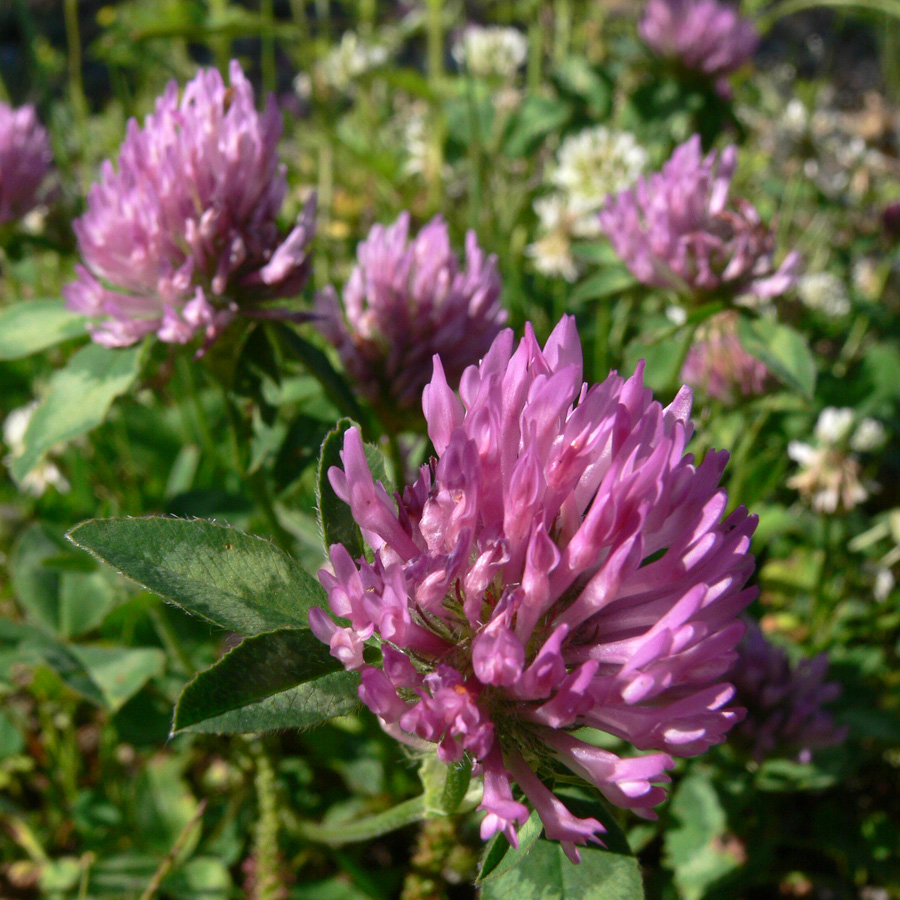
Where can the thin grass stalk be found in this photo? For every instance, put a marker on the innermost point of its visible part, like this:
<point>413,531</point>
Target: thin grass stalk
<point>73,44</point>
<point>267,46</point>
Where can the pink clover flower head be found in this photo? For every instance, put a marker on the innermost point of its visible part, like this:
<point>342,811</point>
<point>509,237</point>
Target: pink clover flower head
<point>25,160</point>
<point>561,564</point>
<point>718,364</point>
<point>785,704</point>
<point>705,36</point>
<point>407,300</point>
<point>184,234</point>
<point>677,229</point>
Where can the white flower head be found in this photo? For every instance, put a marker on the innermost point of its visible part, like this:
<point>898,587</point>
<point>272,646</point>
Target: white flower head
<point>46,473</point>
<point>830,476</point>
<point>594,163</point>
<point>869,435</point>
<point>350,59</point>
<point>491,52</point>
<point>552,255</point>
<point>834,425</point>
<point>552,251</point>
<point>825,292</point>
<point>883,583</point>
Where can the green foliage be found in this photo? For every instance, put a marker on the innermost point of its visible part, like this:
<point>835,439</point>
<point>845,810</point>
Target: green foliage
<point>78,399</point>
<point>694,843</point>
<point>546,873</point>
<point>231,579</point>
<point>35,325</point>
<point>95,800</point>
<point>783,350</point>
<point>335,519</point>
<point>279,679</point>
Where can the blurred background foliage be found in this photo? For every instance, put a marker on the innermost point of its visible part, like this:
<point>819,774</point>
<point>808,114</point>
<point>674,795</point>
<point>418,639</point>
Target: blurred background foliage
<point>95,800</point>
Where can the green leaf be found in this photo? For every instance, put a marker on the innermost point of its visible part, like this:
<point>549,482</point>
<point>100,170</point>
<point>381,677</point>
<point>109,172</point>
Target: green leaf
<point>606,283</point>
<point>445,786</point>
<point>535,119</point>
<point>378,466</point>
<point>782,349</point>
<point>693,845</point>
<point>200,878</point>
<point>317,363</point>
<point>78,399</point>
<point>576,75</point>
<point>335,519</point>
<point>119,672</point>
<point>11,741</point>
<point>545,873</point>
<point>281,679</point>
<point>55,594</point>
<point>35,325</point>
<point>234,580</point>
<point>68,666</point>
<point>500,856</point>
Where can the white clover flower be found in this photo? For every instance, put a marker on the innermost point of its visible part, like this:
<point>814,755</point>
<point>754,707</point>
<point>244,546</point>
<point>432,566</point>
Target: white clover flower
<point>883,583</point>
<point>491,52</point>
<point>552,251</point>
<point>825,292</point>
<point>552,255</point>
<point>795,117</point>
<point>590,165</point>
<point>830,476</point>
<point>350,59</point>
<point>594,163</point>
<point>834,424</point>
<point>46,473</point>
<point>869,435</point>
<point>866,278</point>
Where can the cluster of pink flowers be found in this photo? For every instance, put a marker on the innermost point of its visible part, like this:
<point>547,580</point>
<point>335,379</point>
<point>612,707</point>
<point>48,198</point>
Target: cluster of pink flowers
<point>184,233</point>
<point>718,364</point>
<point>785,705</point>
<point>705,36</point>
<point>408,300</point>
<point>25,160</point>
<point>561,564</point>
<point>678,229</point>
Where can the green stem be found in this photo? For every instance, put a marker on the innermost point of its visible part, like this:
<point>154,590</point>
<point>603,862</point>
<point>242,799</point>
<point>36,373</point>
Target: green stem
<point>73,40</point>
<point>220,44</point>
<point>435,57</point>
<point>855,338</point>
<point>562,17</point>
<point>267,42</point>
<point>739,458</point>
<point>198,421</point>
<point>169,860</point>
<point>535,57</point>
<point>325,192</point>
<point>371,826</point>
<point>265,839</point>
<point>395,455</point>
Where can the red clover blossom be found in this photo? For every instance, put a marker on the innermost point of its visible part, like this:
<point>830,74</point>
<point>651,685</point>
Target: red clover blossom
<point>785,704</point>
<point>678,229</point>
<point>561,564</point>
<point>184,233</point>
<point>703,35</point>
<point>408,300</point>
<point>25,160</point>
